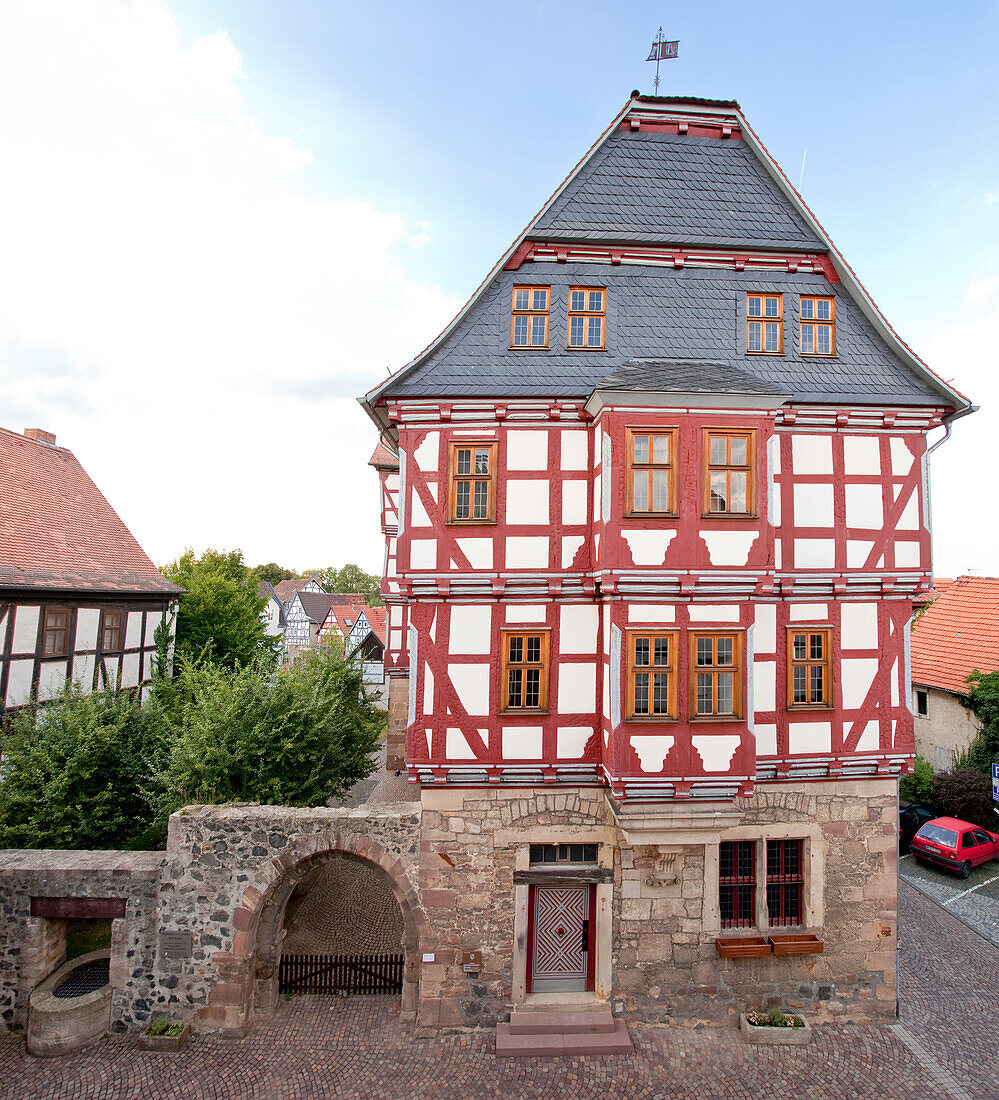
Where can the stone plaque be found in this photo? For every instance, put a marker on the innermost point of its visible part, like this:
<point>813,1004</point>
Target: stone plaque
<point>176,945</point>
<point>471,961</point>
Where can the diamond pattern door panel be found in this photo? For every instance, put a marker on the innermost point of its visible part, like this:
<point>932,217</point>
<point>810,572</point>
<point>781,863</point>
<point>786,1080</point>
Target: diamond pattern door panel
<point>559,958</point>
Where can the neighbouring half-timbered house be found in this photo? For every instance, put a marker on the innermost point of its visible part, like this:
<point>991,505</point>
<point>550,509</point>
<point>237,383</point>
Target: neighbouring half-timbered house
<point>272,616</point>
<point>655,507</point>
<point>79,598</point>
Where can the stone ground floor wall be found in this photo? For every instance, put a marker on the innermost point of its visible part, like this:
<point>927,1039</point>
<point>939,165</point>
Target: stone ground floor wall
<point>656,957</point>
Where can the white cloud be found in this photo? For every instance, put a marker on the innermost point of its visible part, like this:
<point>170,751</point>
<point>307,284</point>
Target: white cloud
<point>981,290</point>
<point>190,323</point>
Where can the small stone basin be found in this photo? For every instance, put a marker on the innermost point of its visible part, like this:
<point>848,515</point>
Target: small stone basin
<point>72,1007</point>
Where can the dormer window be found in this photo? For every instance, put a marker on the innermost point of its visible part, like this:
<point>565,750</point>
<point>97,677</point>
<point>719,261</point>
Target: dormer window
<point>765,324</point>
<point>587,314</point>
<point>529,317</point>
<point>818,326</point>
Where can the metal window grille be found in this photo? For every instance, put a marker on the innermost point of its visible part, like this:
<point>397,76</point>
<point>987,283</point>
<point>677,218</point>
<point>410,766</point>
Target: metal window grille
<point>737,883</point>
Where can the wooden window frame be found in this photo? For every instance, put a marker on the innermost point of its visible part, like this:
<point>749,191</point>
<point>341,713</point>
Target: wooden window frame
<point>707,468</point>
<point>672,669</point>
<point>737,668</point>
<point>783,885</point>
<point>807,662</point>
<point>120,629</point>
<point>730,885</point>
<point>48,629</point>
<point>453,477</point>
<point>632,466</point>
<point>763,319</point>
<point>506,665</point>
<point>530,314</point>
<point>813,323</point>
<point>585,314</point>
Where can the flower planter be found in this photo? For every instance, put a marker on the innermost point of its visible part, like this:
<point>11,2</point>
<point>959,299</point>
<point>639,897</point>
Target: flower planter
<point>776,1036</point>
<point>742,947</point>
<point>165,1042</point>
<point>803,944</point>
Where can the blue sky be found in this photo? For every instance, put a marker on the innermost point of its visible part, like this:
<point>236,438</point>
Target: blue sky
<point>256,209</point>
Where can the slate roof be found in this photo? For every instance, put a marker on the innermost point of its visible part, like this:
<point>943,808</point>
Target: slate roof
<point>673,189</point>
<point>316,605</point>
<point>660,313</point>
<point>265,590</point>
<point>57,531</point>
<point>957,633</point>
<point>685,376</point>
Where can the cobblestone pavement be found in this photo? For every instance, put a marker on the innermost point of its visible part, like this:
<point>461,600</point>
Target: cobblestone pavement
<point>946,1048</point>
<point>973,900</point>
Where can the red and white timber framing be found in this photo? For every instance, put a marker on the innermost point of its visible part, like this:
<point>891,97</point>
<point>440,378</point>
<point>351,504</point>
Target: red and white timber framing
<point>839,540</point>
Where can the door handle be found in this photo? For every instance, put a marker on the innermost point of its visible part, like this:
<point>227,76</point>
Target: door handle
<point>585,945</point>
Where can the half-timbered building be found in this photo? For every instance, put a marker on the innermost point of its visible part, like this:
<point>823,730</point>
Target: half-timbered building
<point>79,598</point>
<point>655,508</point>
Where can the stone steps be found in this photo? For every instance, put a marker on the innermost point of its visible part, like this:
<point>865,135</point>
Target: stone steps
<point>556,1034</point>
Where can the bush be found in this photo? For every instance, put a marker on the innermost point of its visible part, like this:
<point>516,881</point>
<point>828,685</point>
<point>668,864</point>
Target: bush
<point>967,795</point>
<point>77,770</point>
<point>919,786</point>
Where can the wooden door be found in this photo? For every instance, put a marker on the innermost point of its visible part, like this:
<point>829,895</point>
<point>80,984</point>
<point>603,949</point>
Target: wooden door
<point>562,933</point>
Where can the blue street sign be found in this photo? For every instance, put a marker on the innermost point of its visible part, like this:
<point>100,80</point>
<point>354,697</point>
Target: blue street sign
<point>995,782</point>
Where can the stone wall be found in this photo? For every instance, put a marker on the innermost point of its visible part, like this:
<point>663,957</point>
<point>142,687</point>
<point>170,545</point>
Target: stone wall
<point>398,716</point>
<point>947,728</point>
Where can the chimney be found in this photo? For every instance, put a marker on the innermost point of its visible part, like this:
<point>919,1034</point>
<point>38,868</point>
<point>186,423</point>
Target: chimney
<point>40,434</point>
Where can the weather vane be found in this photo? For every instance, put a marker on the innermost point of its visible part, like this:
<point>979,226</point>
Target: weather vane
<point>661,51</point>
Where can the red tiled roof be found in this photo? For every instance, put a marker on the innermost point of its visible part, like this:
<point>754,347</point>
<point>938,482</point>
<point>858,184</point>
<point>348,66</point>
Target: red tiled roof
<point>57,531</point>
<point>285,590</point>
<point>384,457</point>
<point>957,633</point>
<point>348,606</point>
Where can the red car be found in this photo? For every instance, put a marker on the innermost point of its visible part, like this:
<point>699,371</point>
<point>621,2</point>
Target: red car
<point>955,844</point>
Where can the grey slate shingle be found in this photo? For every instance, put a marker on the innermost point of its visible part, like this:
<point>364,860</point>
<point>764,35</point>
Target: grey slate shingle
<point>686,376</point>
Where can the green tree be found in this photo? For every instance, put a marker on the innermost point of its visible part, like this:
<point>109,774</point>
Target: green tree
<point>918,787</point>
<point>219,614</point>
<point>983,699</point>
<point>294,737</point>
<point>76,771</point>
<point>274,573</point>
<point>349,578</point>
<point>967,795</point>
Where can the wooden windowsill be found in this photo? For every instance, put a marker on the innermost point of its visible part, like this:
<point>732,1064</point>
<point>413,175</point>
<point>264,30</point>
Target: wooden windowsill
<point>464,523</point>
<point>705,718</point>
<point>527,712</point>
<point>728,517</point>
<point>645,517</point>
<point>764,352</point>
<point>650,719</point>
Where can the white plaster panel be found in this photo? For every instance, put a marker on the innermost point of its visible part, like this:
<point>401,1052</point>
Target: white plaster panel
<point>870,739</point>
<point>858,625</point>
<point>153,619</point>
<point>814,553</point>
<point>573,503</point>
<point>133,632</point>
<point>83,671</point>
<point>392,483</point>
<point>523,552</point>
<point>728,547</point>
<point>423,554</point>
<point>432,489</point>
<point>470,628</point>
<point>527,450</point>
<point>456,746</point>
<point>813,505</point>
<point>856,674</point>
<point>901,457</point>
<point>427,735</point>
<point>578,628</point>
<point>395,615</point>
<point>577,688</point>
<point>765,634</point>
<point>606,699</point>
<point>597,499</point>
<point>110,671</point>
<point>893,684</point>
<point>130,670</point>
<point>478,551</point>
<point>571,741</point>
<point>716,750</point>
<point>809,737</point>
<point>907,555</point>
<point>773,446</point>
<point>714,612</point>
<point>395,639</point>
<point>778,551</point>
<point>648,547</point>
<point>861,455</point>
<point>418,514</point>
<point>19,682</point>
<point>25,629</point>
<point>471,685</point>
<point>909,519</point>
<point>808,612</point>
<point>857,551</point>
<point>52,679</point>
<point>811,454</point>
<point>526,613</point>
<point>428,690</point>
<point>570,547</point>
<point>426,455</point>
<point>766,740</point>
<point>88,621</point>
<point>651,613</point>
<point>764,685</point>
<point>652,749</point>
<point>774,502</point>
<point>863,507</point>
<point>574,449</point>
<point>522,742</point>
<point>527,502</point>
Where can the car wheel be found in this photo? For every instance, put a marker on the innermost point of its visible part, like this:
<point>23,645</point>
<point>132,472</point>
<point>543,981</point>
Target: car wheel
<point>965,869</point>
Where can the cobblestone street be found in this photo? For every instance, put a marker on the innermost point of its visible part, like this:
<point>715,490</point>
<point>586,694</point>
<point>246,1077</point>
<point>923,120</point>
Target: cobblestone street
<point>946,1047</point>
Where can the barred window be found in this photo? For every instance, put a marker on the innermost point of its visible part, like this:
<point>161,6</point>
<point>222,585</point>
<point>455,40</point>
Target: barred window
<point>785,881</point>
<point>737,883</point>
